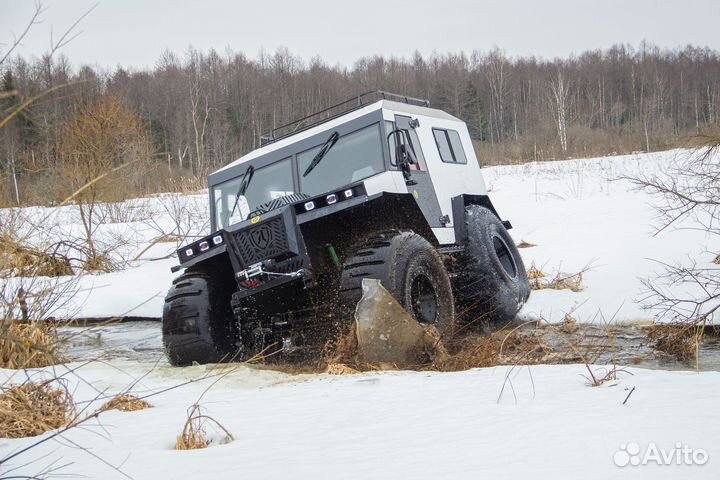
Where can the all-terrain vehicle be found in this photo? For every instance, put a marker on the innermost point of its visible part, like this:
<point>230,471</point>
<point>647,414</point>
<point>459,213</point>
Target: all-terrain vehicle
<point>381,186</point>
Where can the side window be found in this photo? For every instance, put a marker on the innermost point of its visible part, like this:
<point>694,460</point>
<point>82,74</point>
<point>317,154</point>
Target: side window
<point>417,149</point>
<point>414,144</point>
<point>449,145</point>
<point>443,145</point>
<point>457,147</point>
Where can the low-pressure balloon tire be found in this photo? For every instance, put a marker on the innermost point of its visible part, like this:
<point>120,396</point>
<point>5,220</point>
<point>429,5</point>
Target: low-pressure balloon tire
<point>491,282</point>
<point>198,325</point>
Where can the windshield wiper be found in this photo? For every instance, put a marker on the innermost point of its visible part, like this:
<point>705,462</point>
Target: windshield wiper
<point>329,143</point>
<point>244,184</point>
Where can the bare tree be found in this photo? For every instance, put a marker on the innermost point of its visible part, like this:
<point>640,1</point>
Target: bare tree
<point>100,138</point>
<point>35,18</point>
<point>560,93</point>
<point>687,293</point>
<point>199,113</point>
<point>205,108</point>
<point>496,67</point>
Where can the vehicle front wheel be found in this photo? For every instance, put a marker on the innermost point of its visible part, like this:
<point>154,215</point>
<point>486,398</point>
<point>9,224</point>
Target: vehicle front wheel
<point>198,324</point>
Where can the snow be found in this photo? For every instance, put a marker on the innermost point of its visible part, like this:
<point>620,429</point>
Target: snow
<point>580,215</point>
<point>137,292</point>
<point>551,424</point>
<point>141,236</point>
<point>543,421</point>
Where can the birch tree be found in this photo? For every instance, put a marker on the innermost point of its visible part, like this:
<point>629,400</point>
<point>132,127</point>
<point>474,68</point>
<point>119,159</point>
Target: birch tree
<point>560,90</point>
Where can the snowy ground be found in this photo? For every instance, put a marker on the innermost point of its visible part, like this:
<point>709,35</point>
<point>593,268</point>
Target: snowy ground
<point>579,215</point>
<point>574,211</point>
<point>546,423</point>
<point>141,236</point>
<point>539,422</point>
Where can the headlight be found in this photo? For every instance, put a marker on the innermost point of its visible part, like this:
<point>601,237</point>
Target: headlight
<point>309,206</point>
<point>332,198</point>
<point>217,239</point>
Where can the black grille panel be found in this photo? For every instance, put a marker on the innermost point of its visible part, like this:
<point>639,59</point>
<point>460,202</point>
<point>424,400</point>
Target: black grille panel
<point>277,203</point>
<point>262,241</point>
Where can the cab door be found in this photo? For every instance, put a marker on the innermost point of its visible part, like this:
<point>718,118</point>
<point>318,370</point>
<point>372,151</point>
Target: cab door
<point>423,189</point>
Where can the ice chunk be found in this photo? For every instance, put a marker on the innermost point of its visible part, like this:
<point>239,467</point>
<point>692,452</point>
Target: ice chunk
<point>387,333</point>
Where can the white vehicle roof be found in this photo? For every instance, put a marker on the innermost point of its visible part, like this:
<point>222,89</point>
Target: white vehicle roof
<point>393,107</point>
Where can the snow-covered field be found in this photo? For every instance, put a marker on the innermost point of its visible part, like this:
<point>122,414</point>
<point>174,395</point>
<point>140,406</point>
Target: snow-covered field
<point>540,422</point>
<point>141,235</point>
<point>580,215</point>
<point>547,422</point>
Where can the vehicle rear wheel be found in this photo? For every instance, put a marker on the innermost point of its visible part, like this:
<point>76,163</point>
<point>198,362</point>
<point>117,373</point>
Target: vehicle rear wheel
<point>491,282</point>
<point>198,324</point>
<point>410,268</point>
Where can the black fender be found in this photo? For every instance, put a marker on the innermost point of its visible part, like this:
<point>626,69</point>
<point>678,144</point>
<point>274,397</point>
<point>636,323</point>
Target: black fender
<point>458,208</point>
<point>345,224</point>
<point>211,257</point>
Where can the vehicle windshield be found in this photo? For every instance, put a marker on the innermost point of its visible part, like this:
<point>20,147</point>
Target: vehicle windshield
<point>354,157</point>
<point>268,183</point>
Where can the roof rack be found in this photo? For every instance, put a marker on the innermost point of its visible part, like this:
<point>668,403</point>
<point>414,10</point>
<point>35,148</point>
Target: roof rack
<point>352,103</point>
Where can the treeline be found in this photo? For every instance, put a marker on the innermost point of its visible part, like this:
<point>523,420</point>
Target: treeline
<point>203,109</point>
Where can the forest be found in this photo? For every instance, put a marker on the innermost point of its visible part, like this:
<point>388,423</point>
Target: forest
<point>191,113</point>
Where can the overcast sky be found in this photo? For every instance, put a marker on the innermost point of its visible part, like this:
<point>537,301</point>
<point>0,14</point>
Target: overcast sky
<point>135,32</point>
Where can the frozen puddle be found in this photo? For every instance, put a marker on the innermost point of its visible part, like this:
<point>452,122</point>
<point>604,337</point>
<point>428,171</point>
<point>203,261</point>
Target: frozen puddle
<point>141,341</point>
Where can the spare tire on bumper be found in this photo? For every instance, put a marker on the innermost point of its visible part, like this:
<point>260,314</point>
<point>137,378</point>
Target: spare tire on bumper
<point>491,282</point>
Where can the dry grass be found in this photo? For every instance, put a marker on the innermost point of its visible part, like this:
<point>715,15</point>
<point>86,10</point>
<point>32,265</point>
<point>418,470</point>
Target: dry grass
<point>194,434</point>
<point>340,369</point>
<point>524,244</point>
<point>529,343</point>
<point>586,348</point>
<point>536,277</point>
<point>100,262</point>
<point>504,347</point>
<point>125,403</point>
<point>566,281</point>
<point>521,344</point>
<point>32,409</point>
<point>680,340</point>
<point>24,261</point>
<point>29,345</point>
<point>168,239</point>
<point>569,324</point>
<point>561,281</point>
